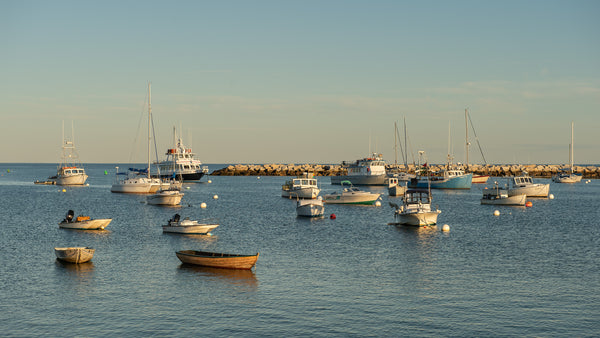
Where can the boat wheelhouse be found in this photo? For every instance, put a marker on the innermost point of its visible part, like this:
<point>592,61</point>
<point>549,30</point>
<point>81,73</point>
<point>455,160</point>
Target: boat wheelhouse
<point>364,171</point>
<point>182,164</point>
<point>301,187</point>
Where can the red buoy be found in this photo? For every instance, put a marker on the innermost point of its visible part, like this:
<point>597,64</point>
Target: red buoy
<point>332,216</point>
<point>528,204</point>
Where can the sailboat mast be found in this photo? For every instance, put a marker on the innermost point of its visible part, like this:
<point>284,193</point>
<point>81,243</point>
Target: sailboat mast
<point>149,119</point>
<point>466,139</point>
<point>405,147</point>
<point>395,144</point>
<point>571,150</point>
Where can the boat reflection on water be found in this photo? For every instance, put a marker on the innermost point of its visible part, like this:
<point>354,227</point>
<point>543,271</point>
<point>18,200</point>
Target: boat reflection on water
<point>236,277</point>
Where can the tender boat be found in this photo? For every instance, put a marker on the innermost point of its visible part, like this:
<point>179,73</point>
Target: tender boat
<point>351,195</point>
<point>524,185</point>
<point>365,171</point>
<point>480,179</point>
<point>310,208</point>
<point>187,226</point>
<point>83,222</point>
<point>394,187</point>
<point>498,196</point>
<point>217,260</point>
<point>70,171</point>
<point>165,197</point>
<point>301,187</point>
<point>415,209</point>
<point>74,254</point>
<point>181,163</point>
<point>568,176</point>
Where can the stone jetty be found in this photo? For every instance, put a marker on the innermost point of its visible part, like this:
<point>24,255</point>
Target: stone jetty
<point>497,170</point>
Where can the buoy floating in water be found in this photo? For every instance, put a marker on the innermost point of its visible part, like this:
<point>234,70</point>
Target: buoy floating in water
<point>551,196</point>
<point>446,227</point>
<point>187,187</point>
<point>216,197</point>
<point>332,216</point>
<point>496,213</point>
<point>209,181</point>
<point>377,204</point>
<point>64,190</point>
<point>258,177</point>
<point>105,172</point>
<point>528,204</point>
<point>203,205</point>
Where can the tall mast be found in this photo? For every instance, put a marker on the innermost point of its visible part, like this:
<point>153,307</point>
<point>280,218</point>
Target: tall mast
<point>405,147</point>
<point>467,138</point>
<point>571,150</point>
<point>395,144</point>
<point>149,119</point>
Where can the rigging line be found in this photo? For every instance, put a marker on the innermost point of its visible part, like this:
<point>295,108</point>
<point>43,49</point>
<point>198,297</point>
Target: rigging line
<point>155,147</point>
<point>477,139</point>
<point>400,143</point>
<point>137,133</point>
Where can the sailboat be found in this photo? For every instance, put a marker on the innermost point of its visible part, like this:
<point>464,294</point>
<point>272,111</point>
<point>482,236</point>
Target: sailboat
<point>70,171</point>
<point>567,176</point>
<point>476,178</point>
<point>139,181</point>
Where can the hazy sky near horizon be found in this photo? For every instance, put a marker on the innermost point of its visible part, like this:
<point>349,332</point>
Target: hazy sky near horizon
<point>300,81</point>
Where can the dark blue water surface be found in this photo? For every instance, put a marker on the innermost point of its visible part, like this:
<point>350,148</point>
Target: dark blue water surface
<point>528,272</point>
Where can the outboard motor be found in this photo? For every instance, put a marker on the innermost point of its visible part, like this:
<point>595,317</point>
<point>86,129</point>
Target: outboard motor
<point>176,218</point>
<point>70,215</point>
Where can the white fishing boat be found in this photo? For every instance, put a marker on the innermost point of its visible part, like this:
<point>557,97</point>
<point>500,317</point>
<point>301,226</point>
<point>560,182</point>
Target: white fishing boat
<point>181,162</point>
<point>365,171</point>
<point>524,185</point>
<point>139,181</point>
<point>415,209</point>
<point>74,254</point>
<point>499,196</point>
<point>351,195</point>
<point>165,197</point>
<point>301,187</point>
<point>310,207</point>
<point>395,188</point>
<point>83,222</point>
<point>70,171</point>
<point>187,226</point>
<point>568,176</point>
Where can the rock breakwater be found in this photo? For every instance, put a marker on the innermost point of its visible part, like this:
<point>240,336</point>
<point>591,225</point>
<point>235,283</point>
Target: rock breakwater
<point>498,170</point>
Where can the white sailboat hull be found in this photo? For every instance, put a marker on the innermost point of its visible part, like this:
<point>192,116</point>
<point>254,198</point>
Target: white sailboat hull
<point>572,178</point>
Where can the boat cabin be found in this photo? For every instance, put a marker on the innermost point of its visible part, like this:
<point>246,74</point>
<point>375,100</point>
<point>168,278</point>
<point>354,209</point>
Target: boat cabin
<point>368,166</point>
<point>417,197</point>
<point>72,171</point>
<point>522,181</point>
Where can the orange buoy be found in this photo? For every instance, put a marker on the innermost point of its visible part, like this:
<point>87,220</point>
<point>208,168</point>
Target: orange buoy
<point>332,216</point>
<point>528,204</point>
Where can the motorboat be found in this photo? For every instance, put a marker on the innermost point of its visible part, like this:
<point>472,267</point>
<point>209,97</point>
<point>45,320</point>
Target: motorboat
<point>310,208</point>
<point>499,196</point>
<point>181,163</point>
<point>445,179</point>
<point>83,222</point>
<point>351,195</point>
<point>301,187</point>
<point>70,171</point>
<point>568,176</point>
<point>416,209</point>
<point>74,254</point>
<point>524,185</point>
<point>165,197</point>
<point>217,260</point>
<point>480,179</point>
<point>395,188</point>
<point>187,226</point>
<point>365,171</point>
<point>139,181</point>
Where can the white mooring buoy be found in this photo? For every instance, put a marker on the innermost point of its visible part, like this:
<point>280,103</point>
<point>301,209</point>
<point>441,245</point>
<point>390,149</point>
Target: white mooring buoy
<point>551,196</point>
<point>203,205</point>
<point>496,213</point>
<point>446,227</point>
<point>216,197</point>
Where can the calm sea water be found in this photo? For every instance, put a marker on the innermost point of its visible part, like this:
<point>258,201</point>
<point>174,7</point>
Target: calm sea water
<point>528,272</point>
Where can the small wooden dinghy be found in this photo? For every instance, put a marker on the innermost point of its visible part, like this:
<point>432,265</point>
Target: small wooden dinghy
<point>74,254</point>
<point>217,260</point>
<point>83,222</point>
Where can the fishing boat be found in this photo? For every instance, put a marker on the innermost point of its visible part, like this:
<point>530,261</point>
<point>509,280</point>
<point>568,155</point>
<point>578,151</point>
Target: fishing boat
<point>351,195</point>
<point>217,260</point>
<point>568,176</point>
<point>365,171</point>
<point>301,187</point>
<point>479,179</point>
<point>83,222</point>
<point>499,196</point>
<point>187,226</point>
<point>310,208</point>
<point>524,184</point>
<point>139,181</point>
<point>395,188</point>
<point>165,197</point>
<point>181,162</point>
<point>415,209</point>
<point>74,254</point>
<point>445,179</point>
<point>70,171</point>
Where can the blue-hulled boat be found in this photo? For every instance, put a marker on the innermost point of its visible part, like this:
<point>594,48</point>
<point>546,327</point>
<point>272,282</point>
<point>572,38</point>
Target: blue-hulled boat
<point>447,179</point>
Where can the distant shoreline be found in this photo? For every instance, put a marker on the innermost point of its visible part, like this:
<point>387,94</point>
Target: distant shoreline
<point>274,169</point>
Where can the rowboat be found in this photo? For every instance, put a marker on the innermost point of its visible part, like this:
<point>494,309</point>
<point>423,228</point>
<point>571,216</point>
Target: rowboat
<point>187,226</point>
<point>217,260</point>
<point>74,254</point>
<point>83,222</point>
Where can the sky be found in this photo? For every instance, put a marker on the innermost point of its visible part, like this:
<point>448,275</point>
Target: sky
<point>301,81</point>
